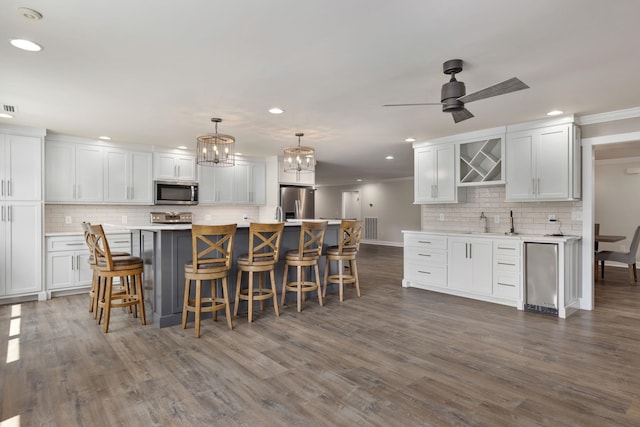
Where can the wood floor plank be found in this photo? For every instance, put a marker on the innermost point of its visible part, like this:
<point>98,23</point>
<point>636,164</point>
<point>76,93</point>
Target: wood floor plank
<point>394,356</point>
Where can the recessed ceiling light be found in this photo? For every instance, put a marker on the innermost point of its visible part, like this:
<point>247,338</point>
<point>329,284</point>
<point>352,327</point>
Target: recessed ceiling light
<point>410,139</point>
<point>30,14</point>
<point>276,110</point>
<point>359,179</point>
<point>6,116</point>
<point>389,157</point>
<point>554,113</point>
<point>25,45</point>
<point>105,138</point>
<point>182,147</point>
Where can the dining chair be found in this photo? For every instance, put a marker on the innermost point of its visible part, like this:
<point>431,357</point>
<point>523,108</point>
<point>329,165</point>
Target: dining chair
<point>628,258</point>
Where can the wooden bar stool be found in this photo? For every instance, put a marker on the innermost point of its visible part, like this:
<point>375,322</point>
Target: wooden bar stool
<point>127,268</point>
<point>264,249</point>
<point>212,250</point>
<point>306,256</point>
<point>93,291</point>
<point>347,250</point>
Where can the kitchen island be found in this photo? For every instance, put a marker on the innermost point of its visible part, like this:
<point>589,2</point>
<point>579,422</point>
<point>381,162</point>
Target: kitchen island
<point>166,248</point>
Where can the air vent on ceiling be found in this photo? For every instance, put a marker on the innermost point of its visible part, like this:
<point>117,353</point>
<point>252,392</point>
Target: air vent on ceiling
<point>9,108</point>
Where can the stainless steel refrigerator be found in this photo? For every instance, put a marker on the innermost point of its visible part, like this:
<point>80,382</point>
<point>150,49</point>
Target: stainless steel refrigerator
<point>541,277</point>
<point>297,202</point>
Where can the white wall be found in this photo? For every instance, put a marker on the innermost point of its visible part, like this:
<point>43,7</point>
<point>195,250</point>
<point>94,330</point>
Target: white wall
<point>617,207</point>
<point>390,201</point>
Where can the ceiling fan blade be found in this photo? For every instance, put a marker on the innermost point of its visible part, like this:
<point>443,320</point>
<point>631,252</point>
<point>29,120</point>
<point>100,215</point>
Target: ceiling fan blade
<point>411,105</point>
<point>461,115</point>
<point>506,86</point>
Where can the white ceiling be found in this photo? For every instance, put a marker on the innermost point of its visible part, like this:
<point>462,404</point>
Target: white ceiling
<point>155,72</point>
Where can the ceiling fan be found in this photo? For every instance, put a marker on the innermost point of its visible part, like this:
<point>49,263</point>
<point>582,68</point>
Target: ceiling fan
<point>453,94</point>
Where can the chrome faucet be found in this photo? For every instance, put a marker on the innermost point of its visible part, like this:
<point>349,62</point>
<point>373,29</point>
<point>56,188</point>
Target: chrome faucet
<point>483,216</point>
<point>278,215</point>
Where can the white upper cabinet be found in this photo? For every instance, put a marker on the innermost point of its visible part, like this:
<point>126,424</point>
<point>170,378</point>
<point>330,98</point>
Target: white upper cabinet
<point>543,164</point>
<point>20,167</point>
<point>74,172</point>
<point>127,176</point>
<point>181,167</point>
<point>243,183</point>
<point>294,178</point>
<point>434,170</point>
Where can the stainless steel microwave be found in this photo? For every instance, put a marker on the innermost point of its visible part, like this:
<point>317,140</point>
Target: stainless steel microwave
<point>175,193</point>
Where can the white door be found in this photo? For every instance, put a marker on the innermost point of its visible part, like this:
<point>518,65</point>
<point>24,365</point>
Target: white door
<point>460,265</point>
<point>89,174</point>
<point>60,159</point>
<point>241,175</point>
<point>518,154</point>
<point>424,162</point>
<point>141,182</point>
<point>207,187</point>
<point>351,206</point>
<point>186,168</point>
<point>115,176</point>
<point>445,177</point>
<point>552,168</point>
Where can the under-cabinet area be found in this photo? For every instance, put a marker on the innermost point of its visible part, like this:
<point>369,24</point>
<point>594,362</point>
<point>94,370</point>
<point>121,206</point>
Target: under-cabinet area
<point>489,267</point>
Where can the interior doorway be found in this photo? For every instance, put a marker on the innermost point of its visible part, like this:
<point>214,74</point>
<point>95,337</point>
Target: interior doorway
<point>351,206</point>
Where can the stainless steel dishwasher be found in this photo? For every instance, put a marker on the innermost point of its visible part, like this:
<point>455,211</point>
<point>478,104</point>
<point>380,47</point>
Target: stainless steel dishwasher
<point>541,277</point>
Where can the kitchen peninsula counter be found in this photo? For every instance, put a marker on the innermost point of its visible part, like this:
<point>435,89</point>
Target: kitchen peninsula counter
<point>166,248</point>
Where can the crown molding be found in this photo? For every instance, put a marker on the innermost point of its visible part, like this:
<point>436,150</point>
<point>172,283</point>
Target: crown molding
<point>630,113</point>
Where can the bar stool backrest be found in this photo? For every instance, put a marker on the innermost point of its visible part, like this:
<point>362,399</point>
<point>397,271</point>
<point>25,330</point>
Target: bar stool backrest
<point>101,249</point>
<point>264,242</point>
<point>311,239</point>
<point>350,233</point>
<point>212,247</point>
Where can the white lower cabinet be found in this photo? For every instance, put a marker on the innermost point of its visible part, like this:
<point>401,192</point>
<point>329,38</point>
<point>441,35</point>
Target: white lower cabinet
<point>470,265</point>
<point>487,268</point>
<point>67,260</point>
<point>506,269</point>
<point>425,259</point>
<point>20,248</point>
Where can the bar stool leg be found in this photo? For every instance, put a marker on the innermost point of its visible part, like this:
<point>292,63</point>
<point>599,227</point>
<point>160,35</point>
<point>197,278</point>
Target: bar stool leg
<point>237,301</point>
<point>299,286</point>
<point>250,296</point>
<point>185,312</point>
<point>354,271</point>
<point>284,284</point>
<point>341,278</point>
<point>107,304</point>
<point>317,271</point>
<point>140,293</point>
<point>198,306</point>
<point>225,296</point>
<point>275,292</point>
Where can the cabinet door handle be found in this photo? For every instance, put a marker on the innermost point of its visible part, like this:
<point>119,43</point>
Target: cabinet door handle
<point>9,188</point>
<point>2,213</point>
<point>424,272</point>
<point>72,267</point>
<point>9,214</point>
<point>131,196</point>
<point>178,171</point>
<point>74,191</point>
<point>466,250</point>
<point>470,250</point>
<point>538,185</point>
<point>3,187</point>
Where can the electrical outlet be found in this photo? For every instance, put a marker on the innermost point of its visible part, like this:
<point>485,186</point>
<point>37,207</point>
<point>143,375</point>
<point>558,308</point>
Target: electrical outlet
<point>441,217</point>
<point>124,219</point>
<point>67,219</point>
<point>552,218</point>
<point>496,219</point>
<point>576,216</point>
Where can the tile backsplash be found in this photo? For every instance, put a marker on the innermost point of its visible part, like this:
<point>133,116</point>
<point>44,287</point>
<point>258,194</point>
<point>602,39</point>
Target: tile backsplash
<point>56,215</point>
<point>528,217</point>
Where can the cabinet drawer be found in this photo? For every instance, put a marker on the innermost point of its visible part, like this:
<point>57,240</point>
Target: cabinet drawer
<point>506,285</point>
<point>425,241</point>
<point>432,274</point>
<point>507,264</point>
<point>420,257</point>
<point>506,247</point>
<point>71,243</point>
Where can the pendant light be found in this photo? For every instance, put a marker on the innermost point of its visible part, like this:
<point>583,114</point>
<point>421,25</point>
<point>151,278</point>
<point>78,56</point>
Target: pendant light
<point>216,149</point>
<point>299,159</point>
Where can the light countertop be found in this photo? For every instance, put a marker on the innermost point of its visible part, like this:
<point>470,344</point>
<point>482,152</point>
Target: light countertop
<point>182,227</point>
<point>524,236</point>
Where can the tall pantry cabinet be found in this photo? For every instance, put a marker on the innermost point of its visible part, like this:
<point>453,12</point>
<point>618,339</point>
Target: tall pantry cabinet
<point>21,206</point>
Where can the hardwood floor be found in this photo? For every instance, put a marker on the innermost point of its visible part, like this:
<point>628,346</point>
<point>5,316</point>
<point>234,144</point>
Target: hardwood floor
<point>394,357</point>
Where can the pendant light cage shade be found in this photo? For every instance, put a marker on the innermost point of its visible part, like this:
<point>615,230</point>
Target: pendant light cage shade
<point>300,158</point>
<point>216,149</point>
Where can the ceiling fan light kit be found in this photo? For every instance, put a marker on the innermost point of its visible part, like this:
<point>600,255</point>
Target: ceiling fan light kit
<point>453,94</point>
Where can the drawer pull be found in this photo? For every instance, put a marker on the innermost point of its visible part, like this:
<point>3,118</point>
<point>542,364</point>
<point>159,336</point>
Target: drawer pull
<point>424,272</point>
<point>424,241</point>
<point>121,241</point>
<point>506,284</point>
<point>424,254</point>
<point>506,263</point>
<point>506,247</point>
<point>74,244</point>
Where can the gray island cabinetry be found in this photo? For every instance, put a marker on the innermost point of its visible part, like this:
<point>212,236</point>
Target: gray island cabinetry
<point>166,248</point>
